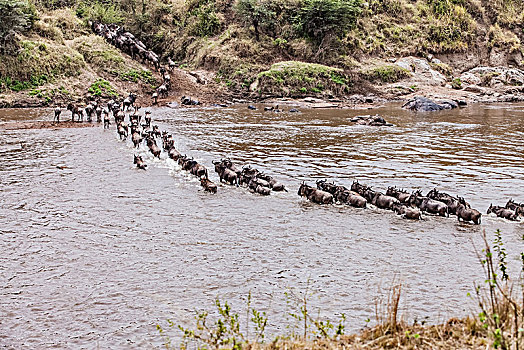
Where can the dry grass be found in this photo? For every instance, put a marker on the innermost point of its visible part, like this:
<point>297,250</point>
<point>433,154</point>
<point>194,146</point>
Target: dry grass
<point>454,334</point>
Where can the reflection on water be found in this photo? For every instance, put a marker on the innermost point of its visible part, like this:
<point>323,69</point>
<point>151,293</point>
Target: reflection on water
<point>96,252</point>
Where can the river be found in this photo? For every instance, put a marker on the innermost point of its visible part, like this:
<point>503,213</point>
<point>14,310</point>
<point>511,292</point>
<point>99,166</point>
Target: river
<point>96,252</point>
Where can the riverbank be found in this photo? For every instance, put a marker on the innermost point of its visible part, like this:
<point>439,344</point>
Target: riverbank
<point>511,89</point>
<point>388,52</point>
<point>20,125</point>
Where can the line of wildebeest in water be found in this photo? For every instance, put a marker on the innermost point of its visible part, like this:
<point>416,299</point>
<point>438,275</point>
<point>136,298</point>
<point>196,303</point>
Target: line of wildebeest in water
<point>408,205</point>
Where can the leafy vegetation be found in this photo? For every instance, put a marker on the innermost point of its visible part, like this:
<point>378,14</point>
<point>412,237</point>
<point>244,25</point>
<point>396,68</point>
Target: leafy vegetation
<point>320,18</point>
<point>136,75</point>
<point>292,78</point>
<point>103,88</point>
<point>16,17</point>
<point>500,297</point>
<point>387,74</point>
<point>241,39</point>
<point>257,13</point>
<point>17,85</point>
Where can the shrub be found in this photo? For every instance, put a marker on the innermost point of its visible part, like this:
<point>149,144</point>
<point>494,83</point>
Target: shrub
<point>100,12</point>
<point>102,87</point>
<point>207,22</point>
<point>284,78</point>
<point>387,74</point>
<point>456,84</point>
<point>256,13</point>
<point>15,17</point>
<point>135,76</point>
<point>319,18</point>
<point>54,4</point>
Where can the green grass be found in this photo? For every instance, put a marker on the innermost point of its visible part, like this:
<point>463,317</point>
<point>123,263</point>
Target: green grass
<point>7,83</point>
<point>136,75</point>
<point>301,77</point>
<point>386,74</point>
<point>102,87</point>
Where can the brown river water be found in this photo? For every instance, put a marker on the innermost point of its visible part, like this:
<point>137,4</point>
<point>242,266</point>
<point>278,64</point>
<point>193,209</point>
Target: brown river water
<point>96,252</point>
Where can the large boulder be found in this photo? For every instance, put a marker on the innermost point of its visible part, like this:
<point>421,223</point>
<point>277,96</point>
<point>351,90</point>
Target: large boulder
<point>494,76</point>
<point>424,73</point>
<point>423,104</point>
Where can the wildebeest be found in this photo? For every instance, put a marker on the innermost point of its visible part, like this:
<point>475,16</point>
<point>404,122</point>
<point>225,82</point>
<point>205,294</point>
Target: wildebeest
<point>122,130</point>
<point>154,96</point>
<point>259,186</point>
<point>208,185</point>
<point>107,122</point>
<point>155,150</point>
<point>173,153</point>
<point>451,201</point>
<point>407,211</point>
<point>428,205</point>
<point>136,138</point>
<point>502,212</point>
<point>57,114</point>
<point>75,110</point>
<point>401,195</point>
<point>198,169</point>
<point>90,110</point>
<point>384,202</point>
<point>247,174</point>
<point>128,101</point>
<point>226,174</point>
<point>272,182</point>
<point>342,194</point>
<point>517,207</point>
<point>156,131</point>
<point>229,164</point>
<point>315,195</point>
<point>147,118</point>
<point>167,80</point>
<point>468,214</point>
<point>171,64</point>
<point>98,111</point>
<point>187,100</point>
<point>162,90</point>
<point>352,198</point>
<point>140,164</point>
<point>359,188</point>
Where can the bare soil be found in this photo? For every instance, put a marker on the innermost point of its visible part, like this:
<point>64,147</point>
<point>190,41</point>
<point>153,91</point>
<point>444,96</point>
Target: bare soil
<point>46,125</point>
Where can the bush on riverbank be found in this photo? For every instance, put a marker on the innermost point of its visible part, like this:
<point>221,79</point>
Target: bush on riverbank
<point>294,78</point>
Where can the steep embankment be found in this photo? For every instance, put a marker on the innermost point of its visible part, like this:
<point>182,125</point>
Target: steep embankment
<point>61,60</point>
<point>257,49</point>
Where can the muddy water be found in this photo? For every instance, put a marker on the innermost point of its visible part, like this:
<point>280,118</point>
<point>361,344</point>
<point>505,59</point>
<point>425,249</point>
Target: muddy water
<point>96,252</point>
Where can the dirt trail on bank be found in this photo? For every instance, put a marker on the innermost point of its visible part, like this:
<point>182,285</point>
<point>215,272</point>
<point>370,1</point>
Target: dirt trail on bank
<point>45,125</point>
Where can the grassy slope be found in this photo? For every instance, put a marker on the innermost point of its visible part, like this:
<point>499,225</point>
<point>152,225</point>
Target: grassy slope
<point>60,58</point>
<point>489,30</point>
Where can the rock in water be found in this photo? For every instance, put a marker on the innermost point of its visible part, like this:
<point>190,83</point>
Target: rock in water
<point>370,120</point>
<point>422,104</point>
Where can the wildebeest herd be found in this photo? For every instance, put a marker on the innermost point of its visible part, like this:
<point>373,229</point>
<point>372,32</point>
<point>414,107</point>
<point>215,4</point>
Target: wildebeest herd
<point>128,43</point>
<point>125,41</point>
<point>128,120</point>
<point>408,205</point>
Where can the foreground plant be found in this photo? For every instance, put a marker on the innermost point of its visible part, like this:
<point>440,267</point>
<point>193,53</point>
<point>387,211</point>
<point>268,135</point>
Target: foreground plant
<point>501,310</point>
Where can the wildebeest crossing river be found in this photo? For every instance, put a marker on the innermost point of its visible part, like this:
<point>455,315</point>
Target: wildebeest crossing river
<point>96,252</point>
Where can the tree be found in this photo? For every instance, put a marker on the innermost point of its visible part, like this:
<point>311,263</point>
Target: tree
<point>320,18</point>
<point>15,17</point>
<point>257,13</point>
